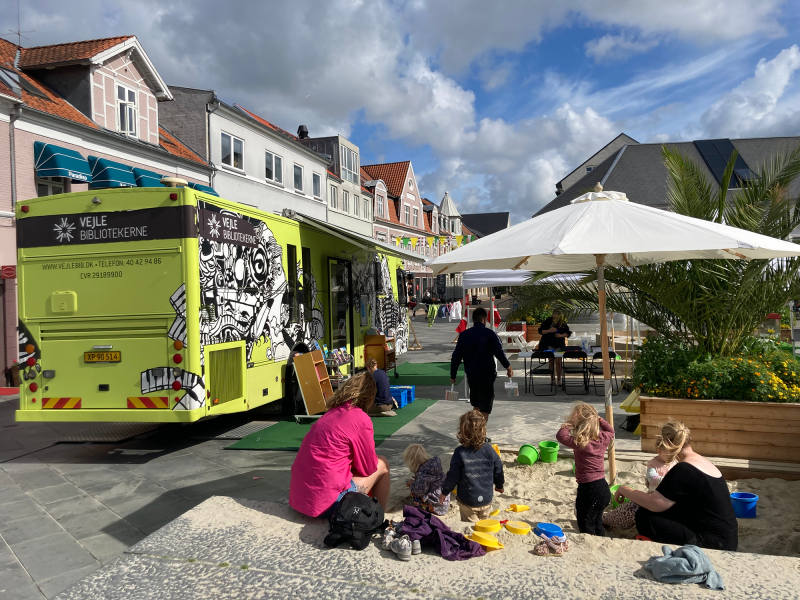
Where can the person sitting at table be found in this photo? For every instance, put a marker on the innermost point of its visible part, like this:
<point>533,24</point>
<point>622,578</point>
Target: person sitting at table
<point>555,332</point>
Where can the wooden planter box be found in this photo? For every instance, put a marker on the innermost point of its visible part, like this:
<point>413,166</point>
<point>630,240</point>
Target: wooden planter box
<point>727,428</point>
<point>532,333</point>
<point>786,335</point>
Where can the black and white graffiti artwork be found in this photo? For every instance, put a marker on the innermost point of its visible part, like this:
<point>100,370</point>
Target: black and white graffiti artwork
<point>162,378</point>
<point>244,288</point>
<point>388,316</point>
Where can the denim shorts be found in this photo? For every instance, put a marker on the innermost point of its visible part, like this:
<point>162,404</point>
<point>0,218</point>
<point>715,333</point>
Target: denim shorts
<point>350,488</point>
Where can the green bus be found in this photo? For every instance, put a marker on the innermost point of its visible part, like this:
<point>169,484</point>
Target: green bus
<point>172,304</point>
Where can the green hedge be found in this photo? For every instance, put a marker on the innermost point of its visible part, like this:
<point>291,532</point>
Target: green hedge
<point>764,372</point>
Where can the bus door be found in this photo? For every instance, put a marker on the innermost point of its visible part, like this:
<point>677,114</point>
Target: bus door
<point>341,318</point>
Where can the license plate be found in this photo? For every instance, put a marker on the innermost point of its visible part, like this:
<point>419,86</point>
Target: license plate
<point>102,357</point>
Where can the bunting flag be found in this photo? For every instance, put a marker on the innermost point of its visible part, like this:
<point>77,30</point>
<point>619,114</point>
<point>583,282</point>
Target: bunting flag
<point>442,240</point>
<point>414,242</point>
<point>405,241</point>
<point>465,239</point>
<point>472,238</point>
<point>430,241</point>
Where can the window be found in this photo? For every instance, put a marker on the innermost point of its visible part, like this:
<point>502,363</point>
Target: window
<point>589,169</point>
<point>308,307</point>
<point>356,202</point>
<point>316,185</point>
<point>49,186</point>
<point>273,170</point>
<point>298,178</point>
<point>332,198</point>
<point>452,226</point>
<point>349,163</point>
<point>381,236</point>
<point>379,206</point>
<point>367,211</point>
<point>411,184</point>
<point>291,281</point>
<point>407,220</point>
<point>126,110</point>
<point>345,201</point>
<point>232,151</point>
<point>416,218</point>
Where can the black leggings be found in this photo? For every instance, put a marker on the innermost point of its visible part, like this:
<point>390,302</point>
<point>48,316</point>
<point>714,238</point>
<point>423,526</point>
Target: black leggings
<point>663,530</point>
<point>592,498</point>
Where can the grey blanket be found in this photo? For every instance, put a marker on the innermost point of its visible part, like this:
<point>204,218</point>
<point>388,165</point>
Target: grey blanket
<point>687,564</point>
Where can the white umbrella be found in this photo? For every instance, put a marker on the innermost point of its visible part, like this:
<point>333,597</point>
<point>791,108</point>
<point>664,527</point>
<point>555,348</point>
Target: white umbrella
<point>602,228</point>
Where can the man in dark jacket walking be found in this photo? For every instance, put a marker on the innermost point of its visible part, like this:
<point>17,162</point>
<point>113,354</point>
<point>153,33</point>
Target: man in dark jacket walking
<point>478,346</point>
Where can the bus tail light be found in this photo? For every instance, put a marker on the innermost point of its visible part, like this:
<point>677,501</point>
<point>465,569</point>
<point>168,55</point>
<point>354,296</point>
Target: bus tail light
<point>31,361</point>
<point>177,358</point>
<point>176,385</point>
<point>33,387</point>
<point>24,208</point>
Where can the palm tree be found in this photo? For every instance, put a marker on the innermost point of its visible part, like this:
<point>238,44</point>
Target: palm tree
<point>715,303</point>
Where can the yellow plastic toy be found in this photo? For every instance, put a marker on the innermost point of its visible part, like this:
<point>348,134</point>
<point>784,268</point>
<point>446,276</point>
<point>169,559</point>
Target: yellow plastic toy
<point>486,540</point>
<point>495,512</point>
<point>518,527</point>
<point>488,526</point>
<point>496,449</point>
<point>518,508</point>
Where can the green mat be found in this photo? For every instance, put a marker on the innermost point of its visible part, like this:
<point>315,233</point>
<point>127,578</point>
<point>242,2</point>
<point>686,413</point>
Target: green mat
<point>425,374</point>
<point>287,435</point>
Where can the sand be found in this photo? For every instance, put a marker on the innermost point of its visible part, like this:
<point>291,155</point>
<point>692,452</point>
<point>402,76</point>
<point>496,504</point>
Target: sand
<point>549,489</point>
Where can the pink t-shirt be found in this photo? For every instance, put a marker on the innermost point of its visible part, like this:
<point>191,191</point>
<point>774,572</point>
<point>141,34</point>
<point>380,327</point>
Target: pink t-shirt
<point>589,465</point>
<point>339,445</point>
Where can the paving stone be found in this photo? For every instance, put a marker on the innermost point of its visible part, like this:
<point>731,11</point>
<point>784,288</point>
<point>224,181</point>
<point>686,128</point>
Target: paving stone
<point>12,493</point>
<point>170,468</point>
<point>90,476</point>
<point>83,516</point>
<point>16,584</point>
<point>31,528</point>
<point>19,510</point>
<point>34,479</point>
<point>56,493</point>
<point>57,584</point>
<point>108,546</point>
<point>52,556</point>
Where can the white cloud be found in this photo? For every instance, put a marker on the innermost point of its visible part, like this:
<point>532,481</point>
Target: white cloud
<point>754,108</point>
<point>326,65</point>
<point>617,47</point>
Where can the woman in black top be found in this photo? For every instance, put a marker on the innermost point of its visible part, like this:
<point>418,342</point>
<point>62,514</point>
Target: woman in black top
<point>555,332</point>
<point>692,504</point>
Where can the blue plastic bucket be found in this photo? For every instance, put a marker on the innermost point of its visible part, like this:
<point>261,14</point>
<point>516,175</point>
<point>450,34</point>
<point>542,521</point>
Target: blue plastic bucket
<point>744,504</point>
<point>549,529</point>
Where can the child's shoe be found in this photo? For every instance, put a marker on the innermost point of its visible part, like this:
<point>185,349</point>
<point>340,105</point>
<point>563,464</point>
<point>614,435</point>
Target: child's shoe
<point>416,547</point>
<point>402,547</point>
<point>388,537</point>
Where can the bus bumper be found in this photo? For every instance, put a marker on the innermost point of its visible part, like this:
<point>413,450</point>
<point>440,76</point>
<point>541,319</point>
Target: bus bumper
<point>111,416</point>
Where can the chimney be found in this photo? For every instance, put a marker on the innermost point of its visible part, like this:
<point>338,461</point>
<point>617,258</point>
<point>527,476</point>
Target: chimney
<point>302,132</point>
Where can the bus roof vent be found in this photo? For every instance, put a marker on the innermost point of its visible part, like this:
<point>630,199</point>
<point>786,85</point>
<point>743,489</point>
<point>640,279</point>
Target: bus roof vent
<point>174,182</point>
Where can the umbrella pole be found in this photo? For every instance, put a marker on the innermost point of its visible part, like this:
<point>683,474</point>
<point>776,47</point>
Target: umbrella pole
<point>601,285</point>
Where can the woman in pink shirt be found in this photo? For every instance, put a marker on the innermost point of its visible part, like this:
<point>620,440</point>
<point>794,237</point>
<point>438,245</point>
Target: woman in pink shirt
<point>589,436</point>
<point>338,453</point>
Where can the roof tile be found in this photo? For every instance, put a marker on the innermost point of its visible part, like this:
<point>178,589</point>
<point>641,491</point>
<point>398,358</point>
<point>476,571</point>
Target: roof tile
<point>393,175</point>
<point>173,145</point>
<point>69,52</point>
<point>266,123</point>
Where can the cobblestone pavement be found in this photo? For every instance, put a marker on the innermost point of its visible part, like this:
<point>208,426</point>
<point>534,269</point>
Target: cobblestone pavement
<point>69,508</point>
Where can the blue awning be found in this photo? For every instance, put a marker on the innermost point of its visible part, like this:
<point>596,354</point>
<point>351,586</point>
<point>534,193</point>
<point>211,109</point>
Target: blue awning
<point>54,161</point>
<point>109,174</point>
<point>145,178</point>
<point>203,188</point>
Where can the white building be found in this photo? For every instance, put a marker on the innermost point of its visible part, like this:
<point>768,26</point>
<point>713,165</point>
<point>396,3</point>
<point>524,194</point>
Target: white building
<point>256,163</point>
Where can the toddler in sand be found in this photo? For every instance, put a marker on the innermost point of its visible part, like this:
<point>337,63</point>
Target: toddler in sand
<point>624,516</point>
<point>475,468</point>
<point>426,486</point>
<point>589,436</point>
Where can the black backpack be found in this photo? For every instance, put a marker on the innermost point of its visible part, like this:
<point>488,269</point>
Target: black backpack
<point>354,520</point>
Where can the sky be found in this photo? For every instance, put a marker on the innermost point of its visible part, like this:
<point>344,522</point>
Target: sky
<point>494,102</point>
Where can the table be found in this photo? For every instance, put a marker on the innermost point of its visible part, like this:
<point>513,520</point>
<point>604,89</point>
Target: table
<point>515,339</point>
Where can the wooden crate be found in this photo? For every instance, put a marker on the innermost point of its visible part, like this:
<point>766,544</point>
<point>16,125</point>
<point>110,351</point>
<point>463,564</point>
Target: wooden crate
<point>726,428</point>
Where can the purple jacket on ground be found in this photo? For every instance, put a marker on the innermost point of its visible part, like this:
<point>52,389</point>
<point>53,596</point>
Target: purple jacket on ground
<point>428,529</point>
